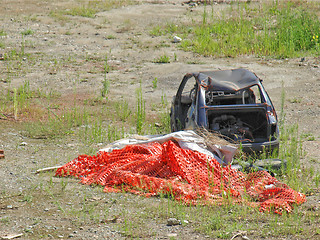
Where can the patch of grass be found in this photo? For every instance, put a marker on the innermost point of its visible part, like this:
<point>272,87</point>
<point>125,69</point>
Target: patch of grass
<point>90,9</point>
<point>308,136</point>
<point>162,59</point>
<point>281,29</point>
<point>26,32</point>
<point>57,125</point>
<point>110,37</point>
<point>3,33</point>
<point>155,83</point>
<point>123,110</point>
<point>83,11</point>
<point>15,54</point>
<point>59,16</point>
<point>295,100</point>
<point>157,31</point>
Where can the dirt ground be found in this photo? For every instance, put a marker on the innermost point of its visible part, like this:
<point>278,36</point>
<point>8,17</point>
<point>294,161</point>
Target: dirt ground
<point>60,48</point>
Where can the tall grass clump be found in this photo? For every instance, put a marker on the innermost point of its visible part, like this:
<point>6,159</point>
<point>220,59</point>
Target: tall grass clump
<point>57,124</point>
<point>278,30</point>
<point>141,111</point>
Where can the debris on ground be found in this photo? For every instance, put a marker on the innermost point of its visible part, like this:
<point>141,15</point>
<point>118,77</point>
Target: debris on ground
<point>241,235</point>
<point>173,222</point>
<point>10,235</point>
<point>1,154</point>
<point>176,39</point>
<point>177,168</point>
<point>47,169</point>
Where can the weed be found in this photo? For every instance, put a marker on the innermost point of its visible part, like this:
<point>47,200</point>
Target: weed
<point>56,125</point>
<point>110,37</point>
<point>122,109</point>
<point>162,59</point>
<point>114,133</point>
<point>15,104</point>
<point>165,126</point>
<point>105,88</point>
<point>83,11</point>
<point>105,82</point>
<point>90,9</point>
<point>27,198</point>
<point>155,83</point>
<point>59,16</point>
<point>5,220</point>
<point>156,31</point>
<point>308,137</point>
<point>93,131</point>
<point>175,57</point>
<point>295,100</point>
<point>140,112</point>
<point>2,33</point>
<point>26,32</point>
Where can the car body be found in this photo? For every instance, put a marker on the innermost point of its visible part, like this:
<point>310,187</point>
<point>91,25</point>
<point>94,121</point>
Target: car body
<point>232,103</point>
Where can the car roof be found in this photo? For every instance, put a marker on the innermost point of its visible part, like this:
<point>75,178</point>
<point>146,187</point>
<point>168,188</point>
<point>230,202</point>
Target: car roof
<point>224,80</point>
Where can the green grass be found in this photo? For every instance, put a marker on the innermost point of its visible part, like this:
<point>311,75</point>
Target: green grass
<point>3,33</point>
<point>278,30</point>
<point>140,111</point>
<point>2,45</point>
<point>162,59</point>
<point>155,83</point>
<point>90,9</point>
<point>83,11</point>
<point>26,32</point>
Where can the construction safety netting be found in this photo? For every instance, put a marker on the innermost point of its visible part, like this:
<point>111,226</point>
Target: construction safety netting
<point>189,176</point>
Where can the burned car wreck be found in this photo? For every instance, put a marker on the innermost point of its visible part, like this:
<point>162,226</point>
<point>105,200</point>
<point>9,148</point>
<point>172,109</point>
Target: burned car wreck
<point>232,103</point>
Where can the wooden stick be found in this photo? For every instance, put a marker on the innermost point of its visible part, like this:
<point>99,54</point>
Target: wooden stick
<point>47,169</point>
<point>11,236</point>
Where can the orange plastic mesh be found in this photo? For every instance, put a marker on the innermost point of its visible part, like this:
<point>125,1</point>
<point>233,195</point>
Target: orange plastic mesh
<point>189,176</point>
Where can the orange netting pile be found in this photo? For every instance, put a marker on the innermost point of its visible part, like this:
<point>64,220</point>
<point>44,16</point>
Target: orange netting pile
<point>189,176</point>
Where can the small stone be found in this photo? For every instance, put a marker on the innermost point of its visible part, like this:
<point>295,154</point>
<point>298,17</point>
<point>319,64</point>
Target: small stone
<point>46,209</point>
<point>173,221</point>
<point>176,39</point>
<point>170,235</point>
<point>186,221</point>
<point>71,235</point>
<point>9,206</point>
<point>81,228</point>
<point>23,144</point>
<point>60,236</point>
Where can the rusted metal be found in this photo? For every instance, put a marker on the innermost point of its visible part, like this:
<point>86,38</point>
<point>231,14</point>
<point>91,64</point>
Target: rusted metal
<point>1,154</point>
<point>233,103</point>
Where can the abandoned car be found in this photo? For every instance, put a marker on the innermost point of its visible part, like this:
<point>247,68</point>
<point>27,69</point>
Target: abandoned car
<point>232,103</point>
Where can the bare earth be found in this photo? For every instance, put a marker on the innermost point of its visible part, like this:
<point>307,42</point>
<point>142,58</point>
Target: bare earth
<point>29,203</point>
